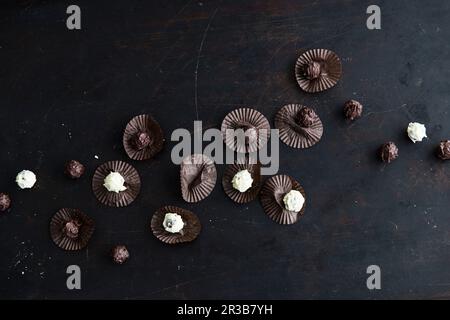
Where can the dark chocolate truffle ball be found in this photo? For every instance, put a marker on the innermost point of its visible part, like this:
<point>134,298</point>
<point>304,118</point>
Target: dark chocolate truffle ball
<point>353,109</point>
<point>389,152</point>
<point>120,254</point>
<point>74,169</point>
<point>443,151</point>
<point>5,202</point>
<point>141,140</point>
<point>313,70</point>
<point>72,228</point>
<point>306,117</point>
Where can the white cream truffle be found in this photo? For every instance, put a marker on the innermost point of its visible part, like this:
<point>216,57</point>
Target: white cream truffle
<point>294,201</point>
<point>114,182</point>
<point>416,131</point>
<point>173,222</point>
<point>26,179</point>
<point>242,181</point>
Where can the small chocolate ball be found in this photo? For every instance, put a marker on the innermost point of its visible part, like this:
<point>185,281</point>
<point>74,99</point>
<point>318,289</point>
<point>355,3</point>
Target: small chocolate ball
<point>443,151</point>
<point>313,70</point>
<point>306,117</point>
<point>74,169</point>
<point>5,202</point>
<point>389,152</point>
<point>353,109</point>
<point>72,228</point>
<point>141,140</point>
<point>120,254</point>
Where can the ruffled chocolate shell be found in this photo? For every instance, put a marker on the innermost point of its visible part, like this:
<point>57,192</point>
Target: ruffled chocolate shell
<point>253,123</point>
<point>318,70</point>
<point>143,138</point>
<point>198,177</point>
<point>272,194</point>
<point>71,229</point>
<point>190,231</point>
<point>296,130</point>
<point>236,195</point>
<point>113,199</point>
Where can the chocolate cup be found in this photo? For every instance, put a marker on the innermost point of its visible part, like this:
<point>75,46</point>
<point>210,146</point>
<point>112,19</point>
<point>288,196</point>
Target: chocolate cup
<point>236,195</point>
<point>143,123</point>
<point>272,194</point>
<point>190,231</point>
<point>245,118</point>
<point>292,133</point>
<point>58,222</point>
<point>123,198</point>
<point>198,177</point>
<point>330,65</point>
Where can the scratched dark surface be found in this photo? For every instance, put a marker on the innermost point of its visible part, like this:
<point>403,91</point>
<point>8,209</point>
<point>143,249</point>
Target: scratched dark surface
<point>68,94</point>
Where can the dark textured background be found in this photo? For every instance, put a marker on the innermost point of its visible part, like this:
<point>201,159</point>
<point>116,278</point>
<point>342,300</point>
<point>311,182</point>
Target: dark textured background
<point>68,94</point>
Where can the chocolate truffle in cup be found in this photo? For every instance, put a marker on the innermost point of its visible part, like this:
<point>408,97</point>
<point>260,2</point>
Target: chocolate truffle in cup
<point>443,150</point>
<point>242,181</point>
<point>353,109</point>
<point>300,126</point>
<point>143,138</point>
<point>313,70</point>
<point>5,202</point>
<point>71,229</point>
<point>283,199</point>
<point>74,169</point>
<point>120,254</point>
<point>245,130</point>
<point>318,70</point>
<point>174,225</point>
<point>116,184</point>
<point>198,177</point>
<point>388,152</point>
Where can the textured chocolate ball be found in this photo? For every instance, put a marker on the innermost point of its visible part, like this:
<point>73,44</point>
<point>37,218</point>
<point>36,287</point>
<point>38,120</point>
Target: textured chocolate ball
<point>71,229</point>
<point>443,151</point>
<point>306,117</point>
<point>313,70</point>
<point>389,152</point>
<point>353,109</point>
<point>120,254</point>
<point>141,140</point>
<point>5,202</point>
<point>74,169</point>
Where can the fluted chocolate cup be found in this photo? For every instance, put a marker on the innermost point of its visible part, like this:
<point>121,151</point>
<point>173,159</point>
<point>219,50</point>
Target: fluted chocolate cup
<point>113,199</point>
<point>254,126</point>
<point>188,233</point>
<point>143,138</point>
<point>297,128</point>
<point>198,177</point>
<point>71,229</point>
<point>317,70</point>
<point>227,181</point>
<point>272,194</point>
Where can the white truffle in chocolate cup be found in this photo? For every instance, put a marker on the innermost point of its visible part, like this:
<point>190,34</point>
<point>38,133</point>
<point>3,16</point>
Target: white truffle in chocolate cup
<point>242,181</point>
<point>173,222</point>
<point>293,201</point>
<point>114,182</point>
<point>416,131</point>
<point>26,179</point>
